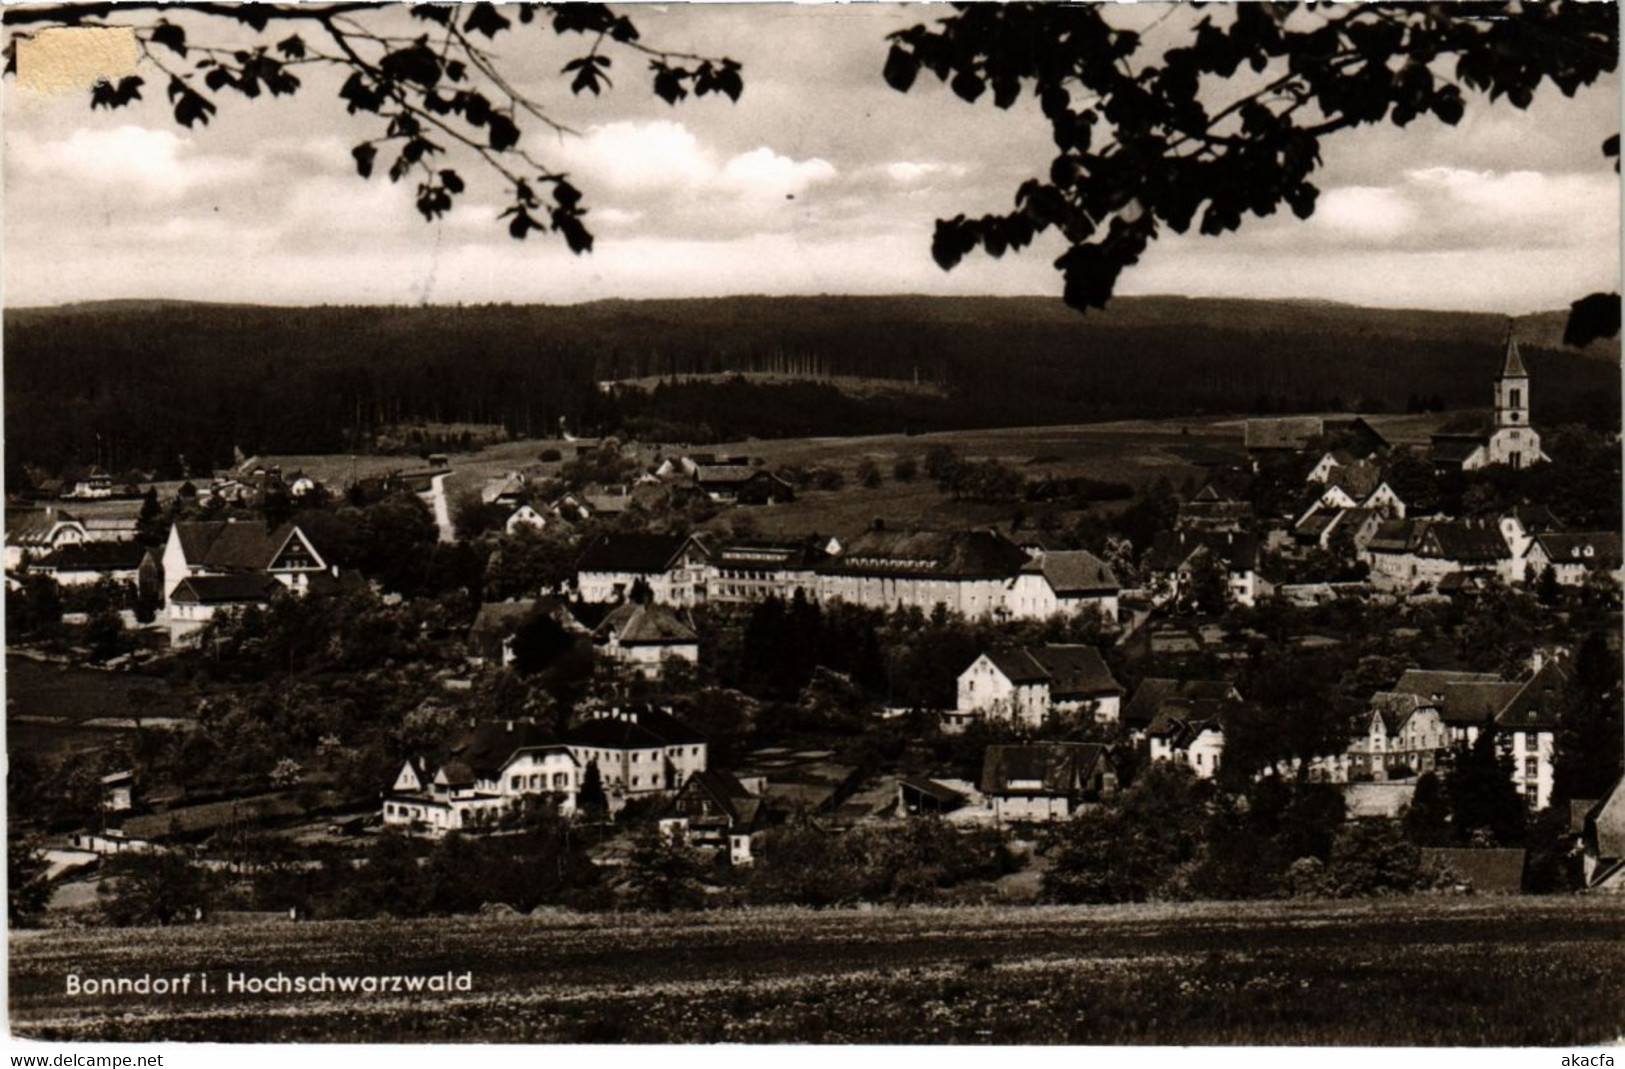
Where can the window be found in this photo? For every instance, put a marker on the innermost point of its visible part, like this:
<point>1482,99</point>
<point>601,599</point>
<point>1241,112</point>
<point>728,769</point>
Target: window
<point>1516,399</point>
<point>1531,767</point>
<point>517,783</point>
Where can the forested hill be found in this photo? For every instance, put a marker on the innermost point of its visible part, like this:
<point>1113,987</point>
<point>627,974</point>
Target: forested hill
<point>159,379</point>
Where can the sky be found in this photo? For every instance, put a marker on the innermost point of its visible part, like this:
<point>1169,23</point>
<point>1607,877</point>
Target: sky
<point>820,179</point>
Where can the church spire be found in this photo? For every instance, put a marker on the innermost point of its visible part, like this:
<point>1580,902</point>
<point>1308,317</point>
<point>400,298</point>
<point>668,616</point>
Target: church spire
<point>1513,368</point>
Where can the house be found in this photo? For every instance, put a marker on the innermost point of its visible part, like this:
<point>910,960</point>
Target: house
<point>1574,557</point>
<point>640,752</point>
<point>1329,462</point>
<point>35,533</point>
<point>110,521</point>
<point>1046,781</point>
<point>1029,685</point>
<point>1175,557</point>
<point>1297,434</point>
<point>525,518</point>
<point>749,572</point>
<point>94,484</point>
<point>919,796</point>
<point>1500,438</point>
<point>216,565</point>
<point>1407,554</point>
<point>967,572</point>
<point>738,484</point>
<point>645,637</point>
<point>1071,583</point>
<point>1190,731</point>
<point>1398,731</point>
<point>1214,509</point>
<point>674,568</point>
<point>118,790</point>
<point>1141,711</point>
<point>508,490</point>
<point>489,773</point>
<point>196,600</point>
<point>1603,843</point>
<point>714,810</point>
<point>86,563</point>
<point>491,637</point>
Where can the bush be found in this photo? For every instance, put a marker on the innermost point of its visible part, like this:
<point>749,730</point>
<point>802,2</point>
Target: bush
<point>905,470</point>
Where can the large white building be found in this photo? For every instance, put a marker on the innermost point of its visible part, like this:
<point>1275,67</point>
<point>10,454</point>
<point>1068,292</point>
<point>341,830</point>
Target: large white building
<point>1030,685</point>
<point>1505,438</point>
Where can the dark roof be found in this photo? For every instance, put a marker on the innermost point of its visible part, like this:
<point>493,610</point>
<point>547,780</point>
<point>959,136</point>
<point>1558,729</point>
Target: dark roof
<point>490,744</point>
<point>225,589</point>
<point>1431,683</point>
<point>648,554</point>
<point>937,792</point>
<point>770,556</point>
<point>947,554</point>
<point>1071,670</point>
<point>1398,536</point>
<point>1071,573</point>
<point>728,794</point>
<point>24,526</point>
<point>1149,696</point>
<point>1490,871</point>
<point>1476,703</point>
<point>639,729</point>
<point>646,625</point>
<point>1512,367</point>
<point>1595,549</point>
<point>96,556</point>
<point>229,546</point>
<point>1359,479</point>
<point>1182,719</point>
<point>1535,706</point>
<point>1464,541</point>
<point>496,620</point>
<point>1605,825</point>
<point>1467,425</point>
<point>1061,767</point>
<point>1171,549</point>
<point>1536,519</point>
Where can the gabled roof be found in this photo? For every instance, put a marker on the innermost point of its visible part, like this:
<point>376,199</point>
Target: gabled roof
<point>1460,540</point>
<point>1180,720</point>
<point>930,788</point>
<point>645,625</point>
<point>1395,708</point>
<point>34,526</point>
<point>489,746</point>
<point>1072,671</point>
<point>644,554</point>
<point>235,547</point>
<point>1398,536</point>
<point>730,473</point>
<point>1062,768</point>
<point>1605,826</point>
<point>1535,706</point>
<point>1512,367</point>
<point>645,728</point>
<point>1596,549</point>
<point>1073,573</point>
<point>1476,703</point>
<point>945,554</point>
<point>1359,480</point>
<point>1141,710</point>
<point>1430,683</point>
<point>499,619</point>
<point>1536,519</point>
<point>225,589</point>
<point>1171,549</point>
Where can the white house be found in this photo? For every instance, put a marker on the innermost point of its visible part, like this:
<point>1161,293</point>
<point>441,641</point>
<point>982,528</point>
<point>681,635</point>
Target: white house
<point>645,637</point>
<point>1175,556</point>
<point>1573,557</point>
<point>1030,685</point>
<point>639,752</point>
<point>1068,582</point>
<point>34,533</point>
<point>674,567</point>
<point>1046,781</point>
<point>1190,732</point>
<point>487,774</point>
<point>524,517</point>
<point>966,572</point>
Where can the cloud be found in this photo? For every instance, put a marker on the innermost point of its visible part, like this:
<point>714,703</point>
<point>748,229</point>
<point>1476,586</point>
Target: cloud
<point>1365,212</point>
<point>764,173</point>
<point>157,164</point>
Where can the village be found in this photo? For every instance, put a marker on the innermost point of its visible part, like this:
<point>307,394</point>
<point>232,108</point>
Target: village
<point>602,644</point>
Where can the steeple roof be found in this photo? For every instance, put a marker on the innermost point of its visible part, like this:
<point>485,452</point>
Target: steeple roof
<point>1513,368</point>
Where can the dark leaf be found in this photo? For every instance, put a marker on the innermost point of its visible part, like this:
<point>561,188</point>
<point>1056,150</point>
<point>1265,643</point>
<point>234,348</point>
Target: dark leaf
<point>171,36</point>
<point>415,64</point>
<point>522,223</point>
<point>902,67</point>
<point>364,155</point>
<point>967,86</point>
<point>576,235</point>
<point>669,84</point>
<point>292,47</point>
<point>503,133</point>
<point>452,181</point>
<point>487,20</point>
<point>440,13</point>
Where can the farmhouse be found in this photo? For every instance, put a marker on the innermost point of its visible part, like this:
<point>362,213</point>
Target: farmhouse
<point>645,637</point>
<point>1142,710</point>
<point>1175,557</point>
<point>639,752</point>
<point>1214,509</point>
<point>715,811</point>
<point>1190,731</point>
<point>1500,438</point>
<point>488,773</point>
<point>1574,557</point>
<point>1069,582</point>
<point>1030,685</point>
<point>742,485</point>
<point>1402,733</point>
<point>86,563</point>
<point>1407,554</point>
<point>1046,781</point>
<point>34,533</point>
<point>1288,435</point>
<point>674,568</point>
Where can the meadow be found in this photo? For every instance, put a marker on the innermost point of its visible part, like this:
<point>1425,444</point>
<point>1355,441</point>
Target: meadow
<point>1465,971</point>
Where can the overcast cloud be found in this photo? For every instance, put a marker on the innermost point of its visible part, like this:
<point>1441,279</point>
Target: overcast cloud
<point>820,180</point>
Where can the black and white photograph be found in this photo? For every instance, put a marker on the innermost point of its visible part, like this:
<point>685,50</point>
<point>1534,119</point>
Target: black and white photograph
<point>932,525</point>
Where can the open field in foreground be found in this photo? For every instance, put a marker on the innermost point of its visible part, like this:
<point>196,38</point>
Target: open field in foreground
<point>1495,972</point>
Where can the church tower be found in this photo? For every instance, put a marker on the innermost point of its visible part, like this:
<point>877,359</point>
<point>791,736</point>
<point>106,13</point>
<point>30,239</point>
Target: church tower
<point>1512,389</point>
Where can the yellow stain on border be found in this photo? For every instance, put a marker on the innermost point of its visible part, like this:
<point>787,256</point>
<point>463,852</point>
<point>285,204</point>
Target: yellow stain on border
<point>72,59</point>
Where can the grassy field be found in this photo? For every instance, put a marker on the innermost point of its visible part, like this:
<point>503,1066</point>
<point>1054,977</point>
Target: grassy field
<point>53,710</point>
<point>1509,972</point>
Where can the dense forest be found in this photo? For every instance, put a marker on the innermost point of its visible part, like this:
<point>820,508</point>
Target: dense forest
<point>137,384</point>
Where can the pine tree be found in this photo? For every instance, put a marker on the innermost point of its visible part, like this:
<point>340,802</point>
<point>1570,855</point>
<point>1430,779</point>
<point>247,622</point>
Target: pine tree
<point>1482,796</point>
<point>1427,819</point>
